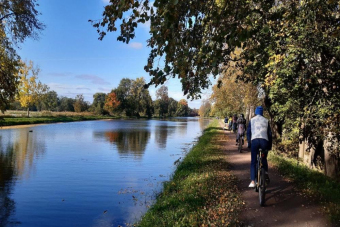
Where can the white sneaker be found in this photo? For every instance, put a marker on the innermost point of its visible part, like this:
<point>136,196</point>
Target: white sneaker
<point>251,185</point>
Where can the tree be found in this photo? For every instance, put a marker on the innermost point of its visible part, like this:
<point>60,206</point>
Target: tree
<point>140,98</point>
<point>191,36</point>
<point>30,89</point>
<point>289,48</point>
<point>98,103</point>
<point>111,102</point>
<point>234,97</point>
<point>172,107</point>
<point>205,109</point>
<point>123,96</point>
<point>193,112</point>
<point>163,97</point>
<point>182,108</point>
<point>18,21</point>
<point>133,98</point>
<point>42,90</point>
<point>66,104</point>
<point>50,101</point>
<point>80,105</point>
<point>9,79</point>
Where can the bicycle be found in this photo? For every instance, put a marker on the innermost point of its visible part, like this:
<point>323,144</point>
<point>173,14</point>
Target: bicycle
<point>260,182</point>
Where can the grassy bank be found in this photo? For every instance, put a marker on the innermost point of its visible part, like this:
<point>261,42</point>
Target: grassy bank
<point>202,192</point>
<point>11,121</point>
<point>312,183</point>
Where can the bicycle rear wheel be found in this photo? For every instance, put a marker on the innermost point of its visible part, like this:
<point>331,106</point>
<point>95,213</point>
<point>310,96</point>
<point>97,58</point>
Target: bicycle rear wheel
<point>240,144</point>
<point>262,187</point>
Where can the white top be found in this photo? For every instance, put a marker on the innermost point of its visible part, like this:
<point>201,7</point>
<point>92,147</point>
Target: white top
<point>259,127</point>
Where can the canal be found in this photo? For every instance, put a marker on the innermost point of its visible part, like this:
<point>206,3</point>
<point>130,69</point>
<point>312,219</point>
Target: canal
<point>92,173</point>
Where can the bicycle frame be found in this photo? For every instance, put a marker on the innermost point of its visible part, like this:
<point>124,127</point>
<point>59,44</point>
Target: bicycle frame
<point>260,185</point>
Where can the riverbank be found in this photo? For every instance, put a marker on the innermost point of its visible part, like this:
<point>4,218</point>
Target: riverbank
<point>19,118</point>
<point>311,183</point>
<point>15,121</point>
<point>210,188</point>
<point>202,191</point>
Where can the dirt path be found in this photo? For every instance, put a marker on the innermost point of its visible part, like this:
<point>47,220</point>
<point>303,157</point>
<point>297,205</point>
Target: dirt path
<point>285,206</point>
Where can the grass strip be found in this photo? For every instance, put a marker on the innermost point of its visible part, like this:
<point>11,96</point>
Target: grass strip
<point>202,191</point>
<point>312,183</point>
<point>11,121</point>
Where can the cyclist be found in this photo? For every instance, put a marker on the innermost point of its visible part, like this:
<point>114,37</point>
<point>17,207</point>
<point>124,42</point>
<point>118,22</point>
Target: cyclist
<point>241,127</point>
<point>259,135</point>
<point>226,122</point>
<point>234,122</point>
<point>230,123</point>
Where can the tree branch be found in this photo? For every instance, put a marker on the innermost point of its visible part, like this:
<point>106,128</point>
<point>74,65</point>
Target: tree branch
<point>8,15</point>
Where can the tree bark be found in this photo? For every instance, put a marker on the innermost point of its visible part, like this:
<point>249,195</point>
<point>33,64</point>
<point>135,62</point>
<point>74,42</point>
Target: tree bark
<point>332,164</point>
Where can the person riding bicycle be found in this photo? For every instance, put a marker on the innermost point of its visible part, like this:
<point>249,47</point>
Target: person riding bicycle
<point>234,122</point>
<point>230,123</point>
<point>241,127</point>
<point>259,135</point>
<point>226,122</point>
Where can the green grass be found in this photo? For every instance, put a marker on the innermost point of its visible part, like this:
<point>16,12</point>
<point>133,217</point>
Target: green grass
<point>311,182</point>
<point>11,121</point>
<point>202,192</point>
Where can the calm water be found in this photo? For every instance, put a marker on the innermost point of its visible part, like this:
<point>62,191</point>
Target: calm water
<point>94,173</point>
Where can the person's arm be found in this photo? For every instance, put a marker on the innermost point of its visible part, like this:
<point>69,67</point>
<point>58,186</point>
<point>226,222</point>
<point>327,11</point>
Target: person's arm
<point>270,137</point>
<point>249,134</point>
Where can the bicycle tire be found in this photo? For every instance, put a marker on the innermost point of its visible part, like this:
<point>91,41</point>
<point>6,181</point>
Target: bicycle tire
<point>262,187</point>
<point>239,145</point>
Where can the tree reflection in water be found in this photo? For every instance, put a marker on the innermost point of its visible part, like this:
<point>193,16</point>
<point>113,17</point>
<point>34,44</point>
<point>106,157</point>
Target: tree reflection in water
<point>128,142</point>
<point>7,206</point>
<point>16,161</point>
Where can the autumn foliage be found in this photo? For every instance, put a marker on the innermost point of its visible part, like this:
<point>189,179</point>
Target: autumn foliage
<point>111,102</point>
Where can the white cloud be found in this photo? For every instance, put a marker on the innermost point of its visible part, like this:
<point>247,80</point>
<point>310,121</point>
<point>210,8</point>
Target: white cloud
<point>93,78</point>
<point>106,1</point>
<point>104,89</point>
<point>66,88</point>
<point>135,45</point>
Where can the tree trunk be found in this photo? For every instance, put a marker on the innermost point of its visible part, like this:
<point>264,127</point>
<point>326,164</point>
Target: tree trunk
<point>309,157</point>
<point>249,113</point>
<point>275,126</point>
<point>332,166</point>
<point>302,148</point>
<point>28,112</point>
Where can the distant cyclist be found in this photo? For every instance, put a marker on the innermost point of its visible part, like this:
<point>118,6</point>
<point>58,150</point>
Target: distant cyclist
<point>259,135</point>
<point>226,122</point>
<point>234,122</point>
<point>241,128</point>
<point>230,123</point>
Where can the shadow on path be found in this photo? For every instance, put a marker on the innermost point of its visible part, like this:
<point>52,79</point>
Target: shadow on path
<point>285,205</point>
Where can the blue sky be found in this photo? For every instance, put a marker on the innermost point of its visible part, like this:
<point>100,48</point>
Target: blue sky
<point>72,59</point>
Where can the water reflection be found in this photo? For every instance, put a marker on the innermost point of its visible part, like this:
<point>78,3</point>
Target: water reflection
<point>16,161</point>
<point>127,142</point>
<point>203,122</point>
<point>6,185</point>
<point>27,147</point>
<point>60,173</point>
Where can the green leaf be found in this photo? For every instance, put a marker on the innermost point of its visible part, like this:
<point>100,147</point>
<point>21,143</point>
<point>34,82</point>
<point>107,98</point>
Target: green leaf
<point>174,2</point>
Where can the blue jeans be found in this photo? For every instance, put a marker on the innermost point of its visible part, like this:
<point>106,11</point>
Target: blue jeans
<point>256,144</point>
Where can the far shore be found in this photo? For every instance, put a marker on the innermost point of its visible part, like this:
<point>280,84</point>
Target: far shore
<point>18,119</point>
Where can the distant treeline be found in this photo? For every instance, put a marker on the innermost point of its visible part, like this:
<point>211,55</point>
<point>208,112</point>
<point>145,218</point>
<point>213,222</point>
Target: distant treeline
<point>130,98</point>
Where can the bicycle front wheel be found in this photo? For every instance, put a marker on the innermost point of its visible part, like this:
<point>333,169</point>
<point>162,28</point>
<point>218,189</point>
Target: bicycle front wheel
<point>262,187</point>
